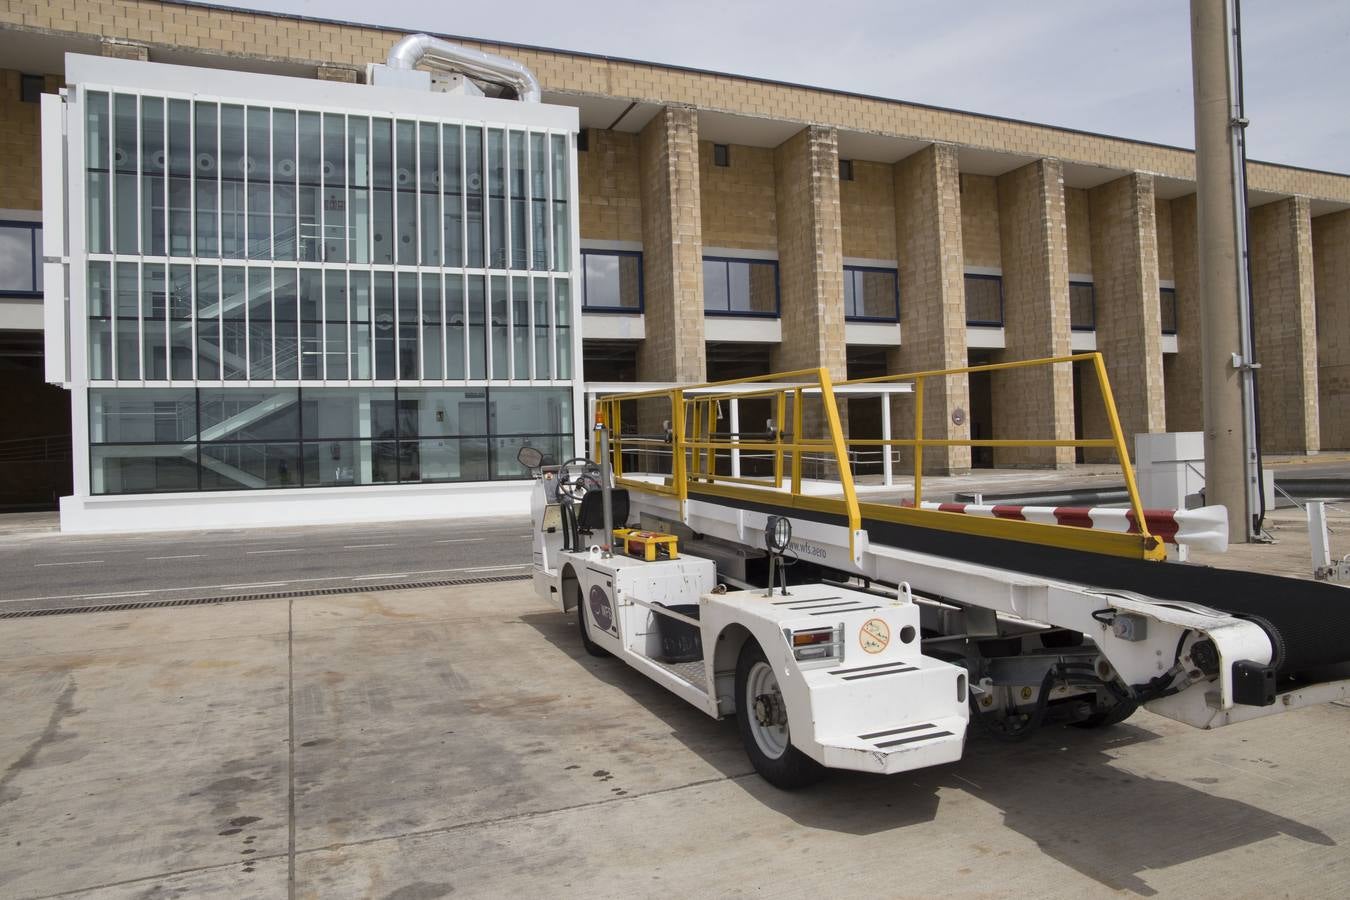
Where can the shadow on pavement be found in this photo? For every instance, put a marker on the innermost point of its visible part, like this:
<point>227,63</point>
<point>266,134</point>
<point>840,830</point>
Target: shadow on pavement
<point>1059,788</point>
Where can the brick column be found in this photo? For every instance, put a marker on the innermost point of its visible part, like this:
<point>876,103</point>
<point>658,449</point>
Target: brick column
<point>810,252</point>
<point>1128,319</point>
<point>1035,402</point>
<point>1284,322</point>
<point>1182,370</point>
<point>1331,270</point>
<point>932,301</point>
<point>672,247</point>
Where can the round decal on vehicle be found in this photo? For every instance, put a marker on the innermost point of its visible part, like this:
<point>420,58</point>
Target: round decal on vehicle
<point>874,636</point>
<point>601,609</point>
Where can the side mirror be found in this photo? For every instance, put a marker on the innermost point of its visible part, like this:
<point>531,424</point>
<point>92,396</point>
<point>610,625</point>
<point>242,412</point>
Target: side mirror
<point>530,457</point>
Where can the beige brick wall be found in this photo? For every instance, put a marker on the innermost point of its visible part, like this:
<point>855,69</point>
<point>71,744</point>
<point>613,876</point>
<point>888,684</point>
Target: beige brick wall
<point>1331,280</point>
<point>1129,337</point>
<point>1162,215</point>
<point>979,221</point>
<point>1182,371</point>
<point>867,211</point>
<point>1284,314</point>
<point>933,304</point>
<point>810,253</point>
<point>1077,220</point>
<point>1034,403</point>
<point>235,33</point>
<point>611,197</point>
<point>739,208</point>
<point>20,144</point>
<point>672,249</point>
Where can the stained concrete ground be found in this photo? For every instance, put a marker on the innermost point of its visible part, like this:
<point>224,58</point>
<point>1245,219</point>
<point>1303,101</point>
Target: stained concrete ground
<point>427,743</point>
<point>419,744</point>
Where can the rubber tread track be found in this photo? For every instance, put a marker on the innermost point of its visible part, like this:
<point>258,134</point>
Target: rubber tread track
<point>1312,618</point>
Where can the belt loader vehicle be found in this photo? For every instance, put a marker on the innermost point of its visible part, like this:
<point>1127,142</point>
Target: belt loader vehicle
<point>900,626</point>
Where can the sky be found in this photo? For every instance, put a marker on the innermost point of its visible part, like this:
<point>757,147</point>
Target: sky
<point>1119,67</point>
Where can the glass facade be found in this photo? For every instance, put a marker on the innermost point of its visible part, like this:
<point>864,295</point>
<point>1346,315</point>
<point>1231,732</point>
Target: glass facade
<point>284,297</point>
<point>255,202</point>
<point>150,440</point>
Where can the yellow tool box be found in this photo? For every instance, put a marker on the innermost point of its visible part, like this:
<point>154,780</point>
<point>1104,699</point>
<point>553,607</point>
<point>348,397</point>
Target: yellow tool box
<point>648,545</point>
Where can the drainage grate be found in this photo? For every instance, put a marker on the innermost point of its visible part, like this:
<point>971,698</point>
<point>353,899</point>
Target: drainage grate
<point>276,595</point>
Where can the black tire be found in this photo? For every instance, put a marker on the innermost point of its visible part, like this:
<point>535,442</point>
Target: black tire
<point>589,645</point>
<point>792,768</point>
<point>1107,717</point>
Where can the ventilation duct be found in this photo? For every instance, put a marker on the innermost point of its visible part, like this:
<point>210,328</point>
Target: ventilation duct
<point>418,49</point>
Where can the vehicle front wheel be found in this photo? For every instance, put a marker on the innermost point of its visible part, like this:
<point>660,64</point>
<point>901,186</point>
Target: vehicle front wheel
<point>587,644</point>
<point>762,717</point>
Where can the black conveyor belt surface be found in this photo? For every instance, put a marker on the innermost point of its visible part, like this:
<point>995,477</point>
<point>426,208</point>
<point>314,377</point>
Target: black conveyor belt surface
<point>1312,618</point>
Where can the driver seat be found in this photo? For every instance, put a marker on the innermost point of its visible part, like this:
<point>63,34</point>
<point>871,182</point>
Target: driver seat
<point>591,516</point>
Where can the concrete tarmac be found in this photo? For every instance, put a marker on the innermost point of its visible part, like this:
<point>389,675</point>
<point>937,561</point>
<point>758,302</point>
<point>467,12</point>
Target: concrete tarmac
<point>438,742</point>
<point>43,569</point>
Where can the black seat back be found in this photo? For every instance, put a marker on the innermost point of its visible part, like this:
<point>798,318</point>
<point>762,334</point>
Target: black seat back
<point>592,514</point>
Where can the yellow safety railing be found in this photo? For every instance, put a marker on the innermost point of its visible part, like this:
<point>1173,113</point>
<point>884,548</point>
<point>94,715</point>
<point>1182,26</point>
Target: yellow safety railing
<point>695,444</point>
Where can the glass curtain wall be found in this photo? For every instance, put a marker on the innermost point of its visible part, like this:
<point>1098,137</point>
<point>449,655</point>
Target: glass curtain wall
<point>362,260</point>
<point>154,440</point>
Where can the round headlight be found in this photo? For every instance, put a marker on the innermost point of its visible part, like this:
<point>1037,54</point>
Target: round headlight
<point>777,534</point>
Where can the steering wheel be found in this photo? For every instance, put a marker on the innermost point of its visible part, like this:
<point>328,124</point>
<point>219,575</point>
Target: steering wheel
<point>577,477</point>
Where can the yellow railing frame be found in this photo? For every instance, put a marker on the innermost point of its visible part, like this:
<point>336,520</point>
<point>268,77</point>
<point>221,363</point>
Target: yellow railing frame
<point>694,449</point>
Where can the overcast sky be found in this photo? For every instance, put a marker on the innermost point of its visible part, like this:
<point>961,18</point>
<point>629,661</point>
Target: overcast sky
<point>1113,66</point>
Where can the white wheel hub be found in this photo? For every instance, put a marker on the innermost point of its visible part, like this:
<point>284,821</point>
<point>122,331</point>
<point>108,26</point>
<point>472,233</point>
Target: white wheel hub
<point>767,712</point>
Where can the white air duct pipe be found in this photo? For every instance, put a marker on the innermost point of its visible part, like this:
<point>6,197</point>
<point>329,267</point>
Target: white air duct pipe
<point>423,48</point>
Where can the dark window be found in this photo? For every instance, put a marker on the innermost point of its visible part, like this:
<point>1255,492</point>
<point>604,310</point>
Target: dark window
<point>583,140</point>
<point>611,281</point>
<point>740,287</point>
<point>721,155</point>
<point>1082,306</point>
<point>30,88</point>
<point>845,170</point>
<point>871,294</point>
<point>20,257</point>
<point>984,300</point>
<point>1168,300</point>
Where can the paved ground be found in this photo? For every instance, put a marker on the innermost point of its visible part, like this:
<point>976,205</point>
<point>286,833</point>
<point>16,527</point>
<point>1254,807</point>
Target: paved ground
<point>46,569</point>
<point>415,744</point>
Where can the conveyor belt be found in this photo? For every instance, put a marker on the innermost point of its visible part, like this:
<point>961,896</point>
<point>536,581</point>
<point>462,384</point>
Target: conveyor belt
<point>1311,619</point>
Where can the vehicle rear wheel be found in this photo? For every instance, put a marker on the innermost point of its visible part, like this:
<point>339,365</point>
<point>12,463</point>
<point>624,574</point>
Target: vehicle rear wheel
<point>587,644</point>
<point>1113,715</point>
<point>762,718</point>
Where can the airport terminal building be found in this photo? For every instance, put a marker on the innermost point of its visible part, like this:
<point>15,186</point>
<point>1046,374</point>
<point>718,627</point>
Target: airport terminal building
<point>281,286</point>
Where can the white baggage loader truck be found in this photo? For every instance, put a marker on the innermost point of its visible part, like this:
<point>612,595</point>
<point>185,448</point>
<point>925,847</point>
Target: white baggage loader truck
<point>900,625</point>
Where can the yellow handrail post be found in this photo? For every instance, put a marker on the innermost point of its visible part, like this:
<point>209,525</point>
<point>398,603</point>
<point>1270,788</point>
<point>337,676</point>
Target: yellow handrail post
<point>796,441</point>
<point>781,401</point>
<point>679,474</point>
<point>918,441</point>
<point>1123,453</point>
<point>841,459</point>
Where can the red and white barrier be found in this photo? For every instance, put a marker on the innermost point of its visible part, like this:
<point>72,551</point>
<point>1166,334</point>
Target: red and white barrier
<point>1205,528</point>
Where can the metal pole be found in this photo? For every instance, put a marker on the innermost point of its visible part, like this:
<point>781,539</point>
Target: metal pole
<point>1223,352</point>
<point>606,497</point>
